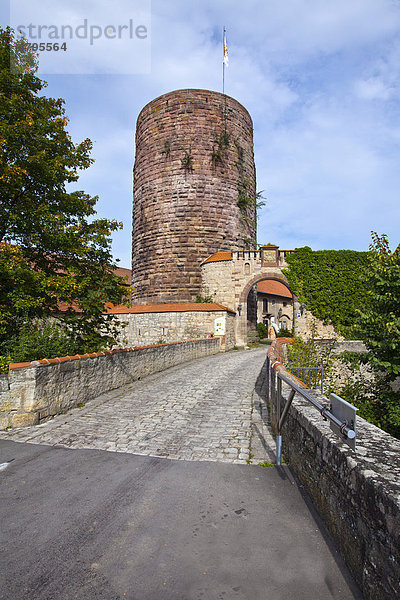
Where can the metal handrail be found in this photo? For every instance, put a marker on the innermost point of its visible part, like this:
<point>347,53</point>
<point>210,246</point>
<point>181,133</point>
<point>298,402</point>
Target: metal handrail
<point>299,370</point>
<point>325,412</point>
<point>346,431</point>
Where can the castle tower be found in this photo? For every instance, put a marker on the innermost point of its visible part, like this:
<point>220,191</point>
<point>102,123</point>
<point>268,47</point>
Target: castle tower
<point>194,191</point>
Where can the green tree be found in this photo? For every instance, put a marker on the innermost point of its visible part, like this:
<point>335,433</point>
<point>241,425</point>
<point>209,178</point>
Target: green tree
<point>379,325</point>
<point>53,252</point>
<point>378,399</point>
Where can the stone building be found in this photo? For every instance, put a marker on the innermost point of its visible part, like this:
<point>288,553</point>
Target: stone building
<point>274,305</point>
<point>231,278</point>
<point>194,191</point>
<point>238,282</point>
<point>194,227</point>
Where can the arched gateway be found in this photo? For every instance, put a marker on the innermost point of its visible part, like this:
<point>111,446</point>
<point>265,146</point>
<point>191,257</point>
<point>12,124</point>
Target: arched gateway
<point>231,279</point>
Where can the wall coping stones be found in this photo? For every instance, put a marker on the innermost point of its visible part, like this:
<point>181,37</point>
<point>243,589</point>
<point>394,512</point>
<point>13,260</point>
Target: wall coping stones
<point>57,360</point>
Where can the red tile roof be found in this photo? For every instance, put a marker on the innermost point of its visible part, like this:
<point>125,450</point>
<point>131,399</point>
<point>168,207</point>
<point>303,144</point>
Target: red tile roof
<point>122,272</point>
<point>218,257</point>
<point>276,288</point>
<point>157,308</point>
<point>121,309</point>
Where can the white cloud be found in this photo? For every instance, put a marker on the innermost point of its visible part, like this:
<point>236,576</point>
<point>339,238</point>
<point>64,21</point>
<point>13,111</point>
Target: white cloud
<point>373,88</point>
<point>320,80</point>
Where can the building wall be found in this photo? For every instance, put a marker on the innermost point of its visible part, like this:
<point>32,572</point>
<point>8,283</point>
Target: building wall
<point>152,328</point>
<point>217,282</point>
<point>229,282</point>
<point>182,215</point>
<point>275,304</point>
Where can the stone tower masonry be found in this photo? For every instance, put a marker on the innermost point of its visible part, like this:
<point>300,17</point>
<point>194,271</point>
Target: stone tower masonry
<point>194,191</point>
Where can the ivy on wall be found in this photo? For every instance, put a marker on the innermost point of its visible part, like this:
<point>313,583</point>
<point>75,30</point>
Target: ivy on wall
<point>329,283</point>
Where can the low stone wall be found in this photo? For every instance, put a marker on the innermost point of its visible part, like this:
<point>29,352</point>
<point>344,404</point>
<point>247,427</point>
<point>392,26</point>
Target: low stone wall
<point>31,392</point>
<point>350,346</point>
<point>357,493</point>
<point>307,326</point>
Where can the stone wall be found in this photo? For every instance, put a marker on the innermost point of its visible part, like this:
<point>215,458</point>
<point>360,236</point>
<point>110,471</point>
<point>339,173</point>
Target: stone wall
<point>350,346</point>
<point>155,327</point>
<point>306,326</point>
<point>217,282</point>
<point>356,493</point>
<point>31,392</point>
<point>182,214</point>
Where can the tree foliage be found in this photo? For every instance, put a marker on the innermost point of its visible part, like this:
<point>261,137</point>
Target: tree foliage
<point>371,392</point>
<point>329,284</point>
<point>53,251</point>
<point>379,324</point>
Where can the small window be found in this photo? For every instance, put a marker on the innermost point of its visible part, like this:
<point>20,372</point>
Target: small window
<point>285,304</point>
<point>265,305</point>
<point>247,268</point>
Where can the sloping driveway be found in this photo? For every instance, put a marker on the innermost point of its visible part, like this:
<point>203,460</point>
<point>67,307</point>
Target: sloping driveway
<point>80,522</point>
<point>207,409</point>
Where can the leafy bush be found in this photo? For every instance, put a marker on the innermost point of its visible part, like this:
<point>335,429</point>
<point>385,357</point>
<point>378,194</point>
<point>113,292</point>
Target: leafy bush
<point>41,339</point>
<point>379,321</point>
<point>329,283</point>
<point>309,352</point>
<point>262,330</point>
<point>376,401</point>
<point>4,362</point>
<point>205,299</point>
<point>379,328</point>
<point>284,333</point>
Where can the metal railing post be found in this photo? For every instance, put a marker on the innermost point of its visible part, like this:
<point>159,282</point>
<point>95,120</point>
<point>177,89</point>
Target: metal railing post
<point>278,418</point>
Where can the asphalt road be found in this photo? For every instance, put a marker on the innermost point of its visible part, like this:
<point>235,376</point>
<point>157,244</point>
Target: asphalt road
<point>98,525</point>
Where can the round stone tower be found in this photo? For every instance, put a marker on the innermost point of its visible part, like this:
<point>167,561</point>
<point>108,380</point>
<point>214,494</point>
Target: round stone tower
<point>194,191</point>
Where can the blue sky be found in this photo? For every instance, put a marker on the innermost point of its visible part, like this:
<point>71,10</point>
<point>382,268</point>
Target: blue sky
<point>320,80</point>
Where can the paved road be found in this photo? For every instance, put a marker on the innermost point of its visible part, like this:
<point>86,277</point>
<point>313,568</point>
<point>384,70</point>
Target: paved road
<point>208,409</point>
<point>96,525</point>
<point>81,521</point>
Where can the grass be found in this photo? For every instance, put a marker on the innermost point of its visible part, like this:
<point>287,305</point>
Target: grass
<point>266,464</point>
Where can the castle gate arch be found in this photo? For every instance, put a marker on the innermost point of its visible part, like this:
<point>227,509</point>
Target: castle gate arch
<point>229,276</point>
<point>245,321</point>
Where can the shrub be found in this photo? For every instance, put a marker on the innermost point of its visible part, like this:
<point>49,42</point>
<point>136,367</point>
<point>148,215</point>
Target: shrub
<point>4,362</point>
<point>262,330</point>
<point>284,333</point>
<point>330,283</point>
<point>41,339</point>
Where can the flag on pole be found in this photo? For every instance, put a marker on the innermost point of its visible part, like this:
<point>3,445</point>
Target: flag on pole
<point>226,58</point>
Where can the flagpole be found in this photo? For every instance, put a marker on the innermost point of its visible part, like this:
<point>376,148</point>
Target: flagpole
<point>223,61</point>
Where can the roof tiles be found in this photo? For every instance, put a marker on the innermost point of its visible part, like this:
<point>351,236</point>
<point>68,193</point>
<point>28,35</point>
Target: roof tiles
<point>276,288</point>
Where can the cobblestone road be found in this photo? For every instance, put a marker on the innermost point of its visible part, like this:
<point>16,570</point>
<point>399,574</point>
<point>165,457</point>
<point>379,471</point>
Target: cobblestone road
<point>208,409</point>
